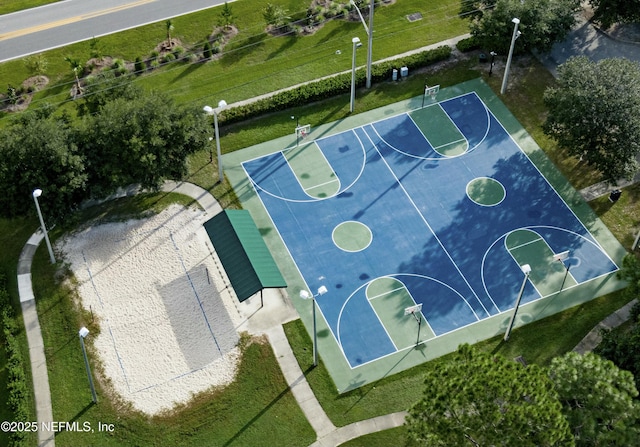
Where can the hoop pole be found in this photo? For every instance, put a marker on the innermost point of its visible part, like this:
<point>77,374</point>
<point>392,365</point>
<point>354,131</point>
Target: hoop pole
<point>635,243</point>
<point>566,273</point>
<point>515,309</point>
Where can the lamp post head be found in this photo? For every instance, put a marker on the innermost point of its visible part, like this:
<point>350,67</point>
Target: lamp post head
<point>515,20</point>
<point>306,295</point>
<point>222,103</point>
<point>526,269</point>
<point>83,332</point>
<point>37,193</point>
<point>355,40</point>
<point>208,110</point>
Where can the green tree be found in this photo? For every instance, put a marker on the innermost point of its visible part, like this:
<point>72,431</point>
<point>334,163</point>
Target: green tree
<point>206,50</point>
<point>104,87</point>
<point>226,16</point>
<point>479,399</point>
<point>542,23</point>
<point>38,151</point>
<point>169,27</point>
<point>37,64</point>
<point>473,9</point>
<point>630,272</point>
<point>96,48</point>
<point>275,15</point>
<point>594,113</point>
<point>140,142</point>
<point>608,12</point>
<point>77,68</point>
<point>598,400</point>
<point>622,347</point>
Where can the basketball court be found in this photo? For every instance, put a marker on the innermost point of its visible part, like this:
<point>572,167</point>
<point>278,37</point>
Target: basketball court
<point>415,222</point>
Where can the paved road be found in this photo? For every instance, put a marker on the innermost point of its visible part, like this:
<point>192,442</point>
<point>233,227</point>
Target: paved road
<point>68,21</point>
<point>587,40</point>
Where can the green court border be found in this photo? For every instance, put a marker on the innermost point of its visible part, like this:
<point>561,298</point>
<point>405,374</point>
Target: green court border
<point>346,378</point>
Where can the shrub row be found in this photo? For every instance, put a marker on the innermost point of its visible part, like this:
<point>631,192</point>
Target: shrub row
<point>16,380</point>
<point>468,44</point>
<point>326,88</point>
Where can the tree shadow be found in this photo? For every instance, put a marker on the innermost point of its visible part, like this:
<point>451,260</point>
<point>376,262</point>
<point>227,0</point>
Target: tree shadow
<point>187,71</point>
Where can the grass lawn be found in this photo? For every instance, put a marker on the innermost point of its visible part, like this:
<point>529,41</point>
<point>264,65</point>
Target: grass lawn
<point>9,6</point>
<point>391,437</point>
<point>258,407</point>
<point>622,217</point>
<point>537,342</point>
<point>254,62</point>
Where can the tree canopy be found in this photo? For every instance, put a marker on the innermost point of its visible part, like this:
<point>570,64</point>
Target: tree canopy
<point>137,138</point>
<point>594,113</point>
<point>597,399</point>
<point>480,399</point>
<point>608,12</point>
<point>39,151</point>
<point>140,142</point>
<point>542,23</point>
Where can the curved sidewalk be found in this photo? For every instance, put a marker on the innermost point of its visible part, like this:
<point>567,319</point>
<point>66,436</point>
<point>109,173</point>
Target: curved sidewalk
<point>39,374</point>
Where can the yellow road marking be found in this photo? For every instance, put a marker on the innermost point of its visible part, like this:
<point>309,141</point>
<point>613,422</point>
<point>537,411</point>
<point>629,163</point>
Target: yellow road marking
<point>62,22</point>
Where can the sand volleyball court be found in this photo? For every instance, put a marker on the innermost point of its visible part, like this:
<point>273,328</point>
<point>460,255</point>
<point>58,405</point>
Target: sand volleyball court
<point>166,331</point>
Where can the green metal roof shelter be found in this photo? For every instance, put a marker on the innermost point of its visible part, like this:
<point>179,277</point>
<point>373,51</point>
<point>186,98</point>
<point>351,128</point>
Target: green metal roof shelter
<point>243,253</point>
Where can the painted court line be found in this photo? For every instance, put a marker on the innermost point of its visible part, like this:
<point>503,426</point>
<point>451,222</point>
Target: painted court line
<point>321,185</point>
<point>386,293</point>
<point>430,229</point>
<point>522,245</point>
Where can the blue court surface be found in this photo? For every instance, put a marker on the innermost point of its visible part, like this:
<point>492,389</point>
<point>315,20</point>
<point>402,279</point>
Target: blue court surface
<point>438,206</point>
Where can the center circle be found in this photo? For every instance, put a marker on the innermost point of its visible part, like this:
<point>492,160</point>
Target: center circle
<point>352,236</point>
<point>486,191</point>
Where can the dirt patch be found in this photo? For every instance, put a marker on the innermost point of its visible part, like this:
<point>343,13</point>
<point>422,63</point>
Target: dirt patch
<point>219,38</point>
<point>18,99</point>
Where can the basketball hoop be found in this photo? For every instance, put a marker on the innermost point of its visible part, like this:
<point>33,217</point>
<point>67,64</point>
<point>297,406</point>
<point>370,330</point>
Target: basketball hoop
<point>412,310</point>
<point>432,92</point>
<point>302,132</point>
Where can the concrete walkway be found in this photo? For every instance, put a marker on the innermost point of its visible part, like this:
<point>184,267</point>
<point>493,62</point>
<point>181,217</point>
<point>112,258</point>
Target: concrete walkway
<point>39,372</point>
<point>327,433</point>
<point>594,337</point>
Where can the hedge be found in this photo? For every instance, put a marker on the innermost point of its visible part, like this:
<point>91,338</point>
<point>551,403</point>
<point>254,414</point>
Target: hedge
<point>329,87</point>
<point>16,380</point>
<point>468,44</point>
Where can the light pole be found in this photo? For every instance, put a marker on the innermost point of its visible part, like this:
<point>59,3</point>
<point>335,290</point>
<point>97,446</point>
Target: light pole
<point>306,296</point>
<point>526,269</point>
<point>297,126</point>
<point>516,34</point>
<point>493,57</point>
<point>561,257</point>
<point>369,31</point>
<point>37,193</point>
<point>83,333</point>
<point>211,111</point>
<point>356,44</point>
